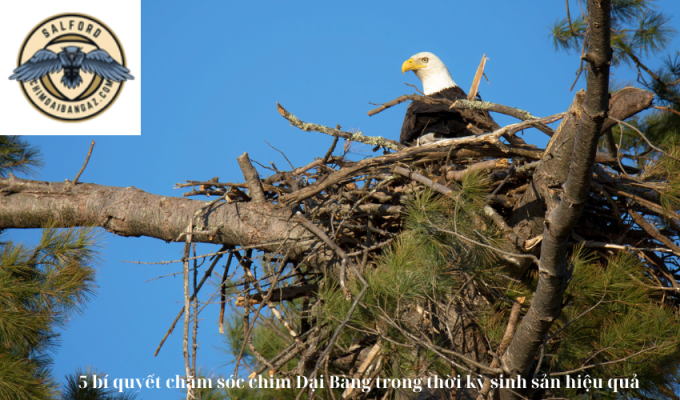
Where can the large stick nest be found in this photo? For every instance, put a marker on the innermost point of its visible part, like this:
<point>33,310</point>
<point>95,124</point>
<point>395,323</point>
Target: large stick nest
<point>357,208</point>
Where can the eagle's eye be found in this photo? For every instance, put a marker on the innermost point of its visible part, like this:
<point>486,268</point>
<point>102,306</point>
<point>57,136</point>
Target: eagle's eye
<point>425,59</point>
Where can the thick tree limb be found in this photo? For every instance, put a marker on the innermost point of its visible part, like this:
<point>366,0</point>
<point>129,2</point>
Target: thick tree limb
<point>133,212</point>
<point>553,268</point>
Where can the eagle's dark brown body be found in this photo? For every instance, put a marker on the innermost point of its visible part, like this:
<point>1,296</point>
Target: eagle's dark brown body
<point>423,118</point>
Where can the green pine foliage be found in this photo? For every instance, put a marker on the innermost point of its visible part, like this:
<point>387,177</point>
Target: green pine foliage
<point>637,28</point>
<point>40,288</point>
<point>73,388</point>
<point>664,172</point>
<point>666,87</point>
<point>17,156</point>
<point>615,311</point>
<point>269,340</point>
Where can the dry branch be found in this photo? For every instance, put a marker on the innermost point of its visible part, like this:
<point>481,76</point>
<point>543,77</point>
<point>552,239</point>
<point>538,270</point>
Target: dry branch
<point>193,296</point>
<point>187,312</point>
<point>472,94</point>
<point>252,178</point>
<point>280,294</point>
<point>356,137</point>
<point>458,105</point>
<point>653,232</point>
<point>505,342</point>
<point>87,159</point>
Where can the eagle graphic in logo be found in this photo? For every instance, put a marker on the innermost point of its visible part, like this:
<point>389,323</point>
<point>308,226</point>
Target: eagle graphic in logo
<point>72,60</point>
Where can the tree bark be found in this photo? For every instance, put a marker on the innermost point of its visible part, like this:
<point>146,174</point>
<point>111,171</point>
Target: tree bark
<point>133,212</point>
<point>561,217</point>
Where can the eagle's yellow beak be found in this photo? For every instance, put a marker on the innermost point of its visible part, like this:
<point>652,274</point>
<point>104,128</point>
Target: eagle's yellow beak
<point>410,65</point>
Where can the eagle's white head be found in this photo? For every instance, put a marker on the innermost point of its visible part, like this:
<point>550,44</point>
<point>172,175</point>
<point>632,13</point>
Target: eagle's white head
<point>430,70</point>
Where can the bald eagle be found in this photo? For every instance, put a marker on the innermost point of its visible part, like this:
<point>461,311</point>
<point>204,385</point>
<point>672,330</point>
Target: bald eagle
<point>438,119</point>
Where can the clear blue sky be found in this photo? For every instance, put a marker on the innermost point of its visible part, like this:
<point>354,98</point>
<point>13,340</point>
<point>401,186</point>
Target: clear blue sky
<point>213,71</point>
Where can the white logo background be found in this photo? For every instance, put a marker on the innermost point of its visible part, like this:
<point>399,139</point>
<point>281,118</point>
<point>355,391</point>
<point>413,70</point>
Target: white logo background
<point>17,20</point>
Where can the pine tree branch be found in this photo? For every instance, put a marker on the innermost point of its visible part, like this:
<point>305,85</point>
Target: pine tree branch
<point>32,204</point>
<point>505,342</point>
<point>651,73</point>
<point>553,268</point>
<point>642,135</point>
<point>585,367</point>
<point>552,170</point>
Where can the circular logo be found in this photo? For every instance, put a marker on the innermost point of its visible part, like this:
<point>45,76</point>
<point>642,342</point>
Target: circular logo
<point>71,67</point>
